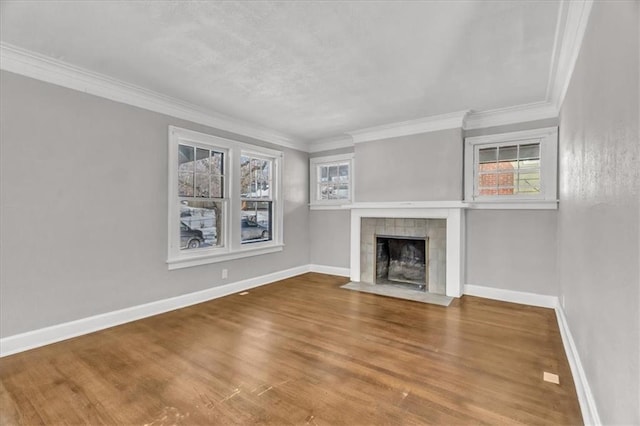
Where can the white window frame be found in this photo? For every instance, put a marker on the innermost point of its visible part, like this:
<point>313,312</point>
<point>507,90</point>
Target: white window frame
<point>232,247</point>
<point>547,198</point>
<point>314,165</point>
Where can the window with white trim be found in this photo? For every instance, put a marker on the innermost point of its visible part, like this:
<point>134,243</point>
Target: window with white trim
<point>331,180</point>
<point>224,199</point>
<point>516,167</point>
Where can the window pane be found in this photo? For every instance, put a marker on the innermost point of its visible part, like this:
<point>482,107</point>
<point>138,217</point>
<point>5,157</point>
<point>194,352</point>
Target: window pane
<point>256,221</point>
<point>529,164</point>
<point>344,172</point>
<point>217,165</point>
<point>528,185</point>
<point>216,187</point>
<point>530,151</point>
<point>323,192</point>
<point>200,224</point>
<point>185,184</point>
<point>185,158</point>
<point>324,173</point>
<point>245,176</point>
<point>333,173</point>
<point>343,192</point>
<point>508,153</point>
<point>202,160</point>
<point>487,155</point>
<point>202,185</point>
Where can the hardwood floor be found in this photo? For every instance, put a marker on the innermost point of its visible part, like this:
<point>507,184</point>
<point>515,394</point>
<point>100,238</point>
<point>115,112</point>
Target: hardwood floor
<point>302,351</point>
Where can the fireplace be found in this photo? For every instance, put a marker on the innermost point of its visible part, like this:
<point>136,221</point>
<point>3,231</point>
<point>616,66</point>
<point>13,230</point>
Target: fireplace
<point>439,224</point>
<point>402,260</point>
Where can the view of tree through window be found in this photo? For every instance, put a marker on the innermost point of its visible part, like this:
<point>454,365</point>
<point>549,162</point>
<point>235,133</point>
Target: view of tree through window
<point>508,170</point>
<point>201,196</point>
<point>257,198</point>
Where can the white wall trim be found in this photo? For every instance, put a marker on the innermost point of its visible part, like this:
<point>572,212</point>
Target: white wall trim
<point>56,333</point>
<point>524,298</point>
<point>510,115</point>
<point>337,142</point>
<point>54,71</point>
<point>412,127</point>
<point>331,270</point>
<point>407,205</point>
<point>587,402</point>
<point>576,16</point>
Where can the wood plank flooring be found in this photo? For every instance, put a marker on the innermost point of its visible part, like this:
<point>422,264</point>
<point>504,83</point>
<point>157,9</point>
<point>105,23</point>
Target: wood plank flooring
<point>302,351</point>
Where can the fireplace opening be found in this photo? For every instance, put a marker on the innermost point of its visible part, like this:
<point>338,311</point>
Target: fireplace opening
<point>402,260</point>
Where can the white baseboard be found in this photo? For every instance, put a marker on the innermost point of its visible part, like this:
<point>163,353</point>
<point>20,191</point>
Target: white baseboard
<point>585,397</point>
<point>56,333</point>
<point>512,296</point>
<point>331,270</point>
<point>588,407</point>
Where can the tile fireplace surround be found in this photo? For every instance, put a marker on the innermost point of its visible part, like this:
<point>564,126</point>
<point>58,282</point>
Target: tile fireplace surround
<point>365,220</point>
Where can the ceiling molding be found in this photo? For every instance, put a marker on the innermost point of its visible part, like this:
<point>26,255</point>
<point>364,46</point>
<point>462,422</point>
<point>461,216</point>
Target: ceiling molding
<point>337,142</point>
<point>50,70</point>
<point>574,14</point>
<point>511,115</point>
<point>411,127</point>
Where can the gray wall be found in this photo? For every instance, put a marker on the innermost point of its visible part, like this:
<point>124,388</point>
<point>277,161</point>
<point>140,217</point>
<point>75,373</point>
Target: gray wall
<point>599,217</point>
<point>429,167</point>
<point>424,167</point>
<point>84,208</point>
<point>513,250</point>
<point>330,237</point>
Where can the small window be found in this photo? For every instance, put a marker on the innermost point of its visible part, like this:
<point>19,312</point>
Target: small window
<point>512,167</point>
<point>331,180</point>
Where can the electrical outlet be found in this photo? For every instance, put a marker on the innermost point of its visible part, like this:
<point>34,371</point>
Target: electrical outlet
<point>225,273</point>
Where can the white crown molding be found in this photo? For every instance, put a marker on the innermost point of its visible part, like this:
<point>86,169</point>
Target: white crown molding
<point>510,115</point>
<point>50,70</point>
<point>412,127</point>
<point>574,14</point>
<point>337,142</point>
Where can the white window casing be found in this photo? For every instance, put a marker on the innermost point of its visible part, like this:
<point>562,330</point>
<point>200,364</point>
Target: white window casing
<point>228,245</point>
<point>326,193</point>
<point>525,177</point>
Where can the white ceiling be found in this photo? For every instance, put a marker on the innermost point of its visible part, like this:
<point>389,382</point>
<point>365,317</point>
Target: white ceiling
<point>312,69</point>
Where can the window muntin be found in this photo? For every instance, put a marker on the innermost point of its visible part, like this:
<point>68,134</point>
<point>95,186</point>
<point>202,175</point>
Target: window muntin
<point>512,168</point>
<point>331,180</point>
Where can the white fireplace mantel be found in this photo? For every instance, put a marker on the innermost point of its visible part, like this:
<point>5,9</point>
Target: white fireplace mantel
<point>452,211</point>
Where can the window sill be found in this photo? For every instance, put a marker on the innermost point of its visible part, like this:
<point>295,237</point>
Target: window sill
<point>514,205</point>
<point>336,206</point>
<point>186,262</point>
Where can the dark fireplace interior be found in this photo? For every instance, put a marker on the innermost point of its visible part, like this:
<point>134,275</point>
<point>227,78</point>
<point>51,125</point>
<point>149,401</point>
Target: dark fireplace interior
<point>402,260</point>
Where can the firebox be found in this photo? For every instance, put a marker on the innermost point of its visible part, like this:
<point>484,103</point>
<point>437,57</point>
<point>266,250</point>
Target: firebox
<point>402,260</point>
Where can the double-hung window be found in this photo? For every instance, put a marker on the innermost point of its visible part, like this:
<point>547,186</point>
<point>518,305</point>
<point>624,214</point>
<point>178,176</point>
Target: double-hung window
<point>331,180</point>
<point>512,168</point>
<point>224,199</point>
